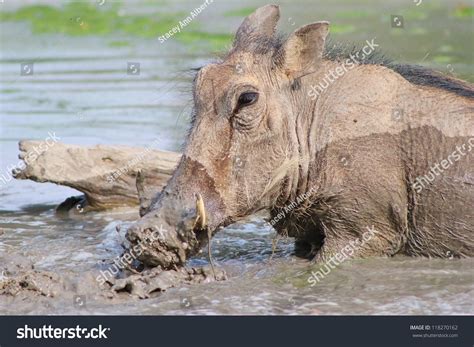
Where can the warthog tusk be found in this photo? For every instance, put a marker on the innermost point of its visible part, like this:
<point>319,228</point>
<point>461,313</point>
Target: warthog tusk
<point>201,224</point>
<point>201,218</point>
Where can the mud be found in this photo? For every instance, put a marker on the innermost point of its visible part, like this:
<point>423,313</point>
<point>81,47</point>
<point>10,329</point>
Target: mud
<point>155,280</point>
<point>23,280</point>
<point>19,279</point>
<point>167,241</point>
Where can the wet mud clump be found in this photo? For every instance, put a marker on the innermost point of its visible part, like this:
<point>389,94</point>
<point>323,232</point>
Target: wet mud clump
<point>155,280</point>
<point>31,282</point>
<point>19,280</point>
<point>18,277</point>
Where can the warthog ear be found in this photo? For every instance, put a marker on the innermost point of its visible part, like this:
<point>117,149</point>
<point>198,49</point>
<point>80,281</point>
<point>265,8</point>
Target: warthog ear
<point>305,47</point>
<point>262,22</point>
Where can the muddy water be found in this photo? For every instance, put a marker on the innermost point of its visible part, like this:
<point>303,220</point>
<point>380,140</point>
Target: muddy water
<point>80,90</point>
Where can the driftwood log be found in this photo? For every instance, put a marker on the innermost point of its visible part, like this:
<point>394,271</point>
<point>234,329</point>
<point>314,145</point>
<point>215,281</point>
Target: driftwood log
<point>109,176</point>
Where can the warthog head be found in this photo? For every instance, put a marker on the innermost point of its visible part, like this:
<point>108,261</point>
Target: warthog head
<point>242,153</point>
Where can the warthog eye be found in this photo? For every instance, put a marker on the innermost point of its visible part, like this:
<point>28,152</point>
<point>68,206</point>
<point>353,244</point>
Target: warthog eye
<point>246,99</point>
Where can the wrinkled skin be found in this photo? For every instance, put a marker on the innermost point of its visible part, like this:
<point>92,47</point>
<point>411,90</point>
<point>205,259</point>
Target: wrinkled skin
<point>258,141</point>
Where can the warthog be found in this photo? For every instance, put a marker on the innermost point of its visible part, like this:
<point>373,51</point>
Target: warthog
<point>381,145</point>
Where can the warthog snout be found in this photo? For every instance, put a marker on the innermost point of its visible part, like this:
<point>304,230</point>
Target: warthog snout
<point>168,240</point>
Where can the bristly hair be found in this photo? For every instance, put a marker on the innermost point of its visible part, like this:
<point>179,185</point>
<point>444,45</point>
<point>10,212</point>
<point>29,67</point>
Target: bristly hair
<point>340,51</point>
<point>415,74</point>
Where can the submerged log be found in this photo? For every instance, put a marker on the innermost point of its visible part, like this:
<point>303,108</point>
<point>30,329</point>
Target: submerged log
<point>107,175</point>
